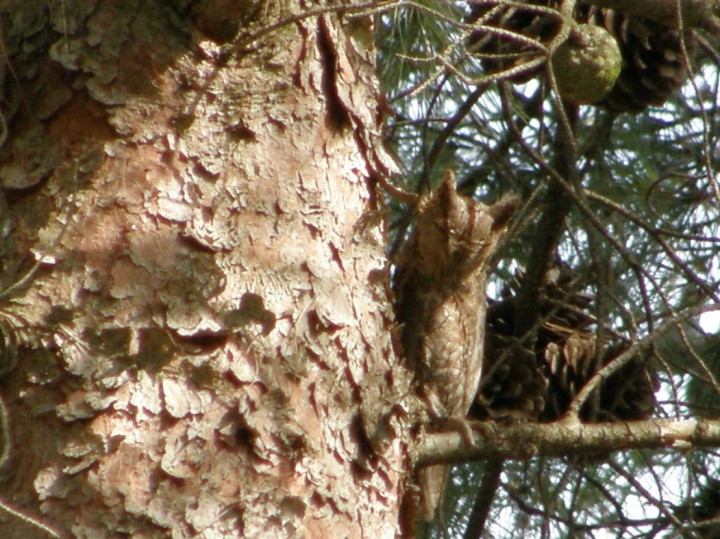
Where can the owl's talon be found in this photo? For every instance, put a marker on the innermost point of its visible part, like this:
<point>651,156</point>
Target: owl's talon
<point>463,427</point>
<point>488,429</point>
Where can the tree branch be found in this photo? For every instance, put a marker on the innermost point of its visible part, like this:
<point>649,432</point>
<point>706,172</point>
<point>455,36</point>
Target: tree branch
<point>484,499</point>
<point>562,438</point>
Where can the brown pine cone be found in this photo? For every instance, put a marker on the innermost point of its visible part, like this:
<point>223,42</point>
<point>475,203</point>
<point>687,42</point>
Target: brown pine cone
<point>502,51</point>
<point>568,363</point>
<point>513,387</point>
<point>628,394</point>
<point>540,380</point>
<point>653,67</point>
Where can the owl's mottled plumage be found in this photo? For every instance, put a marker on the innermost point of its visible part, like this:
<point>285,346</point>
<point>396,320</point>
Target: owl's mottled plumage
<point>440,287</point>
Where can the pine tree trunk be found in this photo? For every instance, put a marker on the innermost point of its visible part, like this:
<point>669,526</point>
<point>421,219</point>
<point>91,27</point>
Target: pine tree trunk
<point>205,348</point>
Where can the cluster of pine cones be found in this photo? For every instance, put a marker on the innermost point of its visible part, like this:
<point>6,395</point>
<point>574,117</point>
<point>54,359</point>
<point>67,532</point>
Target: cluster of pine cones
<point>538,381</point>
<point>652,67</point>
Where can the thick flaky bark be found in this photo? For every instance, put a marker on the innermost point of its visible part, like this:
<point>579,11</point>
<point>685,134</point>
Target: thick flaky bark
<point>206,346</point>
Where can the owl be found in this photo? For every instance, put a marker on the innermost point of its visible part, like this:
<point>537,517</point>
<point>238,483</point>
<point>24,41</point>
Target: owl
<point>440,291</point>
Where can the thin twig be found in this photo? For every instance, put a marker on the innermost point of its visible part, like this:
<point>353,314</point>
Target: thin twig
<point>29,519</point>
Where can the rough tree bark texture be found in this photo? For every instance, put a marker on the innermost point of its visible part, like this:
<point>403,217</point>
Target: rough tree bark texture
<point>197,346</point>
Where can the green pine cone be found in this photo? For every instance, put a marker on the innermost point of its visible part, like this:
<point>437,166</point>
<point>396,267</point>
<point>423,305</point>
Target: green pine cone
<point>587,64</point>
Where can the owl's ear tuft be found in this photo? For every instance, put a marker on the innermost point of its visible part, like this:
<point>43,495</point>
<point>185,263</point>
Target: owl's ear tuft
<point>447,185</point>
<point>503,210</point>
<point>446,194</point>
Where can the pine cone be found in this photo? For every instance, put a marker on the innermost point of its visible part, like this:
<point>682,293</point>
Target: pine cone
<point>569,362</point>
<point>628,394</point>
<point>587,64</point>
<point>514,387</point>
<point>653,67</point>
<point>540,383</point>
<point>501,52</point>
